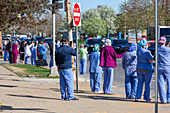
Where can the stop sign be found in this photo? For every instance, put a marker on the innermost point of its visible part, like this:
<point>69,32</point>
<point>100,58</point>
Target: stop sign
<point>76,14</point>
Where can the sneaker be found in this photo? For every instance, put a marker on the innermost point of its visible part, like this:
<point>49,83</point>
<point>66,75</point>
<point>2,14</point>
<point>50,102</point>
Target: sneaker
<point>100,91</point>
<point>150,100</point>
<point>110,93</point>
<point>73,99</point>
<point>136,99</point>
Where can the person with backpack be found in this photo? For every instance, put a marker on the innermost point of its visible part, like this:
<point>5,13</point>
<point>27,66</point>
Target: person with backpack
<point>9,49</point>
<point>6,53</point>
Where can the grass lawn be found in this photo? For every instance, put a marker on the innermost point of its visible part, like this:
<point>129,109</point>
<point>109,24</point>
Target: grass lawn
<point>1,57</point>
<point>39,72</point>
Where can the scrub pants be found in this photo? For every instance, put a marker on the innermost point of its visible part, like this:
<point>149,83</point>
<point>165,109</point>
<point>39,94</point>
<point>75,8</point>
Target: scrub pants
<point>26,59</point>
<point>83,66</point>
<point>33,59</point>
<point>147,78</point>
<point>131,86</point>
<point>66,80</point>
<point>162,76</point>
<point>42,57</point>
<point>108,79</point>
<point>14,56</point>
<point>10,57</point>
<point>95,81</point>
<point>6,56</point>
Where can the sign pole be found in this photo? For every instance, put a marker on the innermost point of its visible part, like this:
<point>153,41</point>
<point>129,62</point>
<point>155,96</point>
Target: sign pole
<point>77,66</point>
<point>156,53</point>
<point>76,23</point>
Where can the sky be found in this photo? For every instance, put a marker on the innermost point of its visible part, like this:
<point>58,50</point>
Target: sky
<point>87,4</point>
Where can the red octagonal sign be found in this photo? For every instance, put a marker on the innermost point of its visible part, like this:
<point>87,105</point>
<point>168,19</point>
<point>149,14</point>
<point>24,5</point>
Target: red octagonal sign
<point>76,14</point>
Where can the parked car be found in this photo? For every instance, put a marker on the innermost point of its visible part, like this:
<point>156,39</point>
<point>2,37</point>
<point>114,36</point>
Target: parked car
<point>151,48</point>
<point>120,45</point>
<point>91,42</point>
<point>48,40</point>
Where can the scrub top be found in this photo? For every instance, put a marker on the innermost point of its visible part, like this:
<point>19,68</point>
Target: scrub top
<point>129,62</point>
<point>94,58</point>
<point>163,58</point>
<point>143,58</point>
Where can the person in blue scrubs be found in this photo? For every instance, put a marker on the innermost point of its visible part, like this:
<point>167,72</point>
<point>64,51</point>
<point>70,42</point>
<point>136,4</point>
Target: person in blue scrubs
<point>95,70</point>
<point>129,63</point>
<point>33,53</point>
<point>64,62</point>
<point>163,71</point>
<point>57,45</point>
<point>42,50</point>
<point>6,53</point>
<point>144,70</point>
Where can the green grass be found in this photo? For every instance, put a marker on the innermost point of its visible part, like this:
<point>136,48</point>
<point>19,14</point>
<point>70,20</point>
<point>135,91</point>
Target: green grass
<point>39,72</point>
<point>1,57</point>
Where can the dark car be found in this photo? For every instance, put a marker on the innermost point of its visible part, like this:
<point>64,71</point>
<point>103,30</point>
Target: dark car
<point>151,48</point>
<point>39,38</point>
<point>120,45</point>
<point>91,42</point>
<point>48,40</point>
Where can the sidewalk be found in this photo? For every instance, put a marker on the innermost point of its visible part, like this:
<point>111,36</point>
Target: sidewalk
<point>20,96</point>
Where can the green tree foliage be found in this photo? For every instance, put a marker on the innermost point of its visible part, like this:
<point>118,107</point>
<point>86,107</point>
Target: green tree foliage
<point>105,13</point>
<point>94,26</point>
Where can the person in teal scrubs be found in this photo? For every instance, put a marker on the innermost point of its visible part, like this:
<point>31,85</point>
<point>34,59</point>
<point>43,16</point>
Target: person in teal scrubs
<point>95,70</point>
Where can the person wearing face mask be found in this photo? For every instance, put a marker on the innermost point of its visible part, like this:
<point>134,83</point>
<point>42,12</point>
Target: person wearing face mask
<point>163,71</point>
<point>144,70</point>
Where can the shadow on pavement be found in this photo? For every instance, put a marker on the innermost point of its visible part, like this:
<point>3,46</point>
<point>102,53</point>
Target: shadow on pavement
<point>10,108</point>
<point>107,97</point>
<point>30,96</point>
<point>7,86</point>
<point>55,89</point>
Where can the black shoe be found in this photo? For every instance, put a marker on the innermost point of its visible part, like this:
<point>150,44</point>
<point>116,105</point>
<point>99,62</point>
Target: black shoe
<point>64,99</point>
<point>110,93</point>
<point>73,99</point>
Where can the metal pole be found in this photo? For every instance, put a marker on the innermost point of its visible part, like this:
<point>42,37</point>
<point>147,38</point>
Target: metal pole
<point>77,65</point>
<point>156,54</point>
<point>125,22</point>
<point>53,70</point>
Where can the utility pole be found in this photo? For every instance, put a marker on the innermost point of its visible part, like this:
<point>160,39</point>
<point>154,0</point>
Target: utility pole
<point>69,20</point>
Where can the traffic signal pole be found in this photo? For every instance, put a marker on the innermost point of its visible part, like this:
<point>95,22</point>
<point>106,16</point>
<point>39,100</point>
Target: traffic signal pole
<point>53,69</point>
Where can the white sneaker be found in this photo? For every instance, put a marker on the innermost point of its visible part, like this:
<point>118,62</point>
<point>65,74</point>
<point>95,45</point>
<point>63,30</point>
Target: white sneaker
<point>100,91</point>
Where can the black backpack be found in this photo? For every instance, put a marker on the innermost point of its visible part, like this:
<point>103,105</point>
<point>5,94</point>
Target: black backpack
<point>8,46</point>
